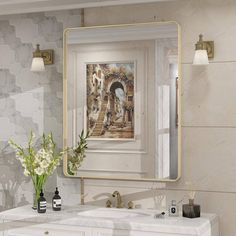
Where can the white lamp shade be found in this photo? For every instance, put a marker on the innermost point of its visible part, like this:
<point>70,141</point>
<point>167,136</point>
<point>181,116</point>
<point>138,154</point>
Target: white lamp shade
<point>200,58</point>
<point>37,64</point>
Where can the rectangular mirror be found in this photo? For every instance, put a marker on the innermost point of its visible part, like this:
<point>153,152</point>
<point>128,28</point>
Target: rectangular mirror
<point>122,85</point>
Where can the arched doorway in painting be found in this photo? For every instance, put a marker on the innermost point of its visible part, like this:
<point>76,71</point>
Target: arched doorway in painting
<point>116,101</point>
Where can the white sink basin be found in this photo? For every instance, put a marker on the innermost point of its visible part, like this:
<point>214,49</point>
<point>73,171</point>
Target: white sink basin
<point>111,213</point>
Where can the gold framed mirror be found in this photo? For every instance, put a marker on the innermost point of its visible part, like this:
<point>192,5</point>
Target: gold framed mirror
<point>122,84</point>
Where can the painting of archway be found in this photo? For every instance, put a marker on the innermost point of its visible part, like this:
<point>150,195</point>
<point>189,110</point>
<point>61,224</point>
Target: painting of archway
<point>110,100</point>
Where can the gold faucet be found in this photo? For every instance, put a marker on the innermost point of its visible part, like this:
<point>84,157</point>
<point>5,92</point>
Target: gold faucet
<point>119,203</point>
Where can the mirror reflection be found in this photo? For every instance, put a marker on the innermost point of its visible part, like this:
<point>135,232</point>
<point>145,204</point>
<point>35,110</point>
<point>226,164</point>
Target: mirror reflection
<point>122,86</point>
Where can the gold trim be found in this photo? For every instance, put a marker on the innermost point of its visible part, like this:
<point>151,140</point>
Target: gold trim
<point>179,109</point>
<point>209,45</point>
<point>47,56</point>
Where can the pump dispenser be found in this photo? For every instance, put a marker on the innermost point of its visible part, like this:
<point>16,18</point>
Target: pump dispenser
<point>173,210</point>
<point>42,204</point>
<point>56,201</point>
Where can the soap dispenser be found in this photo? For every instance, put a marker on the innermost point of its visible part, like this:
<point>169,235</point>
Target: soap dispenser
<point>173,210</point>
<point>56,201</point>
<point>42,204</point>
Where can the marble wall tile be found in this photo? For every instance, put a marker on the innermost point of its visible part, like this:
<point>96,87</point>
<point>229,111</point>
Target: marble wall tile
<point>208,95</point>
<point>8,56</point>
<point>25,29</point>
<point>28,101</point>
<point>208,159</point>
<point>72,21</point>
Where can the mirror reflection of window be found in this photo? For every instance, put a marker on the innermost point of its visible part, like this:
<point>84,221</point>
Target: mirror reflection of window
<point>173,121</point>
<point>166,166</point>
<point>163,131</point>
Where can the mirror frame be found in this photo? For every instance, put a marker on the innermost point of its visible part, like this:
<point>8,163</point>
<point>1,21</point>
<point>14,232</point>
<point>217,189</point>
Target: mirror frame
<point>179,113</point>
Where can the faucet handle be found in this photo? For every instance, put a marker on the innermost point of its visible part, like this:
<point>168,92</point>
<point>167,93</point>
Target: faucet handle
<point>130,205</point>
<point>108,204</point>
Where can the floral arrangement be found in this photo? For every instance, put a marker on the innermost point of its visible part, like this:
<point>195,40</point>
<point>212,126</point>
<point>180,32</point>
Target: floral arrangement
<point>77,154</point>
<point>39,164</point>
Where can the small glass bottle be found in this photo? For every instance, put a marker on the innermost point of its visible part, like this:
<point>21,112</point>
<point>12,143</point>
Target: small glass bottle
<point>173,209</point>
<point>42,204</point>
<point>56,201</point>
<point>191,210</point>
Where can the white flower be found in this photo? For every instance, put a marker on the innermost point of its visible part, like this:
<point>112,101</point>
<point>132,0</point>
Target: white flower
<point>37,162</point>
<point>39,170</point>
<point>37,159</point>
<point>42,154</point>
<point>26,172</point>
<point>49,156</point>
<point>44,164</point>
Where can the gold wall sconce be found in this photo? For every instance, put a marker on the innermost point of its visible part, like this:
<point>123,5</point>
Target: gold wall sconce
<point>204,50</point>
<point>41,58</point>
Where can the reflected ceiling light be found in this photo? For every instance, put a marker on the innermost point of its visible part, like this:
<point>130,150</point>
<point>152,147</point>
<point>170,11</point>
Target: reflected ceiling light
<point>41,58</point>
<point>204,50</point>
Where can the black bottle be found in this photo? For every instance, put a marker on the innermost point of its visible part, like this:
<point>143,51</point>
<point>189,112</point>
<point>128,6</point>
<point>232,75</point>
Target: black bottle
<point>56,201</point>
<point>42,204</point>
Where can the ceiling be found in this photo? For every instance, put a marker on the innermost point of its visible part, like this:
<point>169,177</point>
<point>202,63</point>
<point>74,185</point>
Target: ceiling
<point>25,6</point>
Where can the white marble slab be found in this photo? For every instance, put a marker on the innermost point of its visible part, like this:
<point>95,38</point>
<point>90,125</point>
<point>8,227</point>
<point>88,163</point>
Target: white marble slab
<point>147,223</point>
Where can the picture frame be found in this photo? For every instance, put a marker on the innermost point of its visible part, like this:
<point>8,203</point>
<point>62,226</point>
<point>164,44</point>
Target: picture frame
<point>110,100</point>
<point>121,53</point>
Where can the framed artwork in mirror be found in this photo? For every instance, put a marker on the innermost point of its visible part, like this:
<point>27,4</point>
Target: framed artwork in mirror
<point>110,100</point>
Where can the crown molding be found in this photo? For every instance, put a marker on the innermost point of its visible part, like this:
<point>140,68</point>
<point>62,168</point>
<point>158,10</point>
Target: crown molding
<point>8,7</point>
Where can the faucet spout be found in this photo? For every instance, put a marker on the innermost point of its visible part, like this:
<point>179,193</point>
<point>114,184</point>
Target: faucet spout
<point>119,203</point>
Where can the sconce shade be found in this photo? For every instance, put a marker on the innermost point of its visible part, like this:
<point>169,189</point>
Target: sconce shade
<point>200,57</point>
<point>37,64</point>
<point>203,51</point>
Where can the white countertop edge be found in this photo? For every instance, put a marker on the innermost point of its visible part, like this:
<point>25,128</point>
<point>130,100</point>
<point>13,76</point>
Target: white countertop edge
<point>68,216</point>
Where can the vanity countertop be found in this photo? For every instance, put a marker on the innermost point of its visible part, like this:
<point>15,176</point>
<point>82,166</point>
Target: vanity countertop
<point>144,222</point>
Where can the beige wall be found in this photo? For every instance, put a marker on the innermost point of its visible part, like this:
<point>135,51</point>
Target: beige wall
<point>209,110</point>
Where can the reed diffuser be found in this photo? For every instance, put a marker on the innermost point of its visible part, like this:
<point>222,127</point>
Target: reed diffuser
<point>191,210</point>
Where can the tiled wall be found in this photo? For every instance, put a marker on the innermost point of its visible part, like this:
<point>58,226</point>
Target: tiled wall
<point>34,101</point>
<point>28,101</point>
